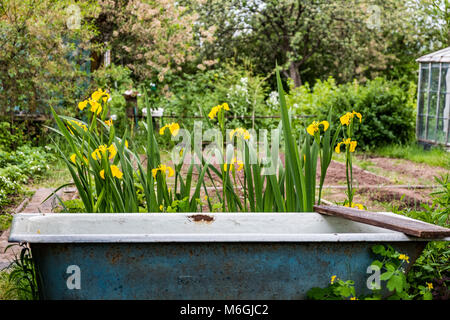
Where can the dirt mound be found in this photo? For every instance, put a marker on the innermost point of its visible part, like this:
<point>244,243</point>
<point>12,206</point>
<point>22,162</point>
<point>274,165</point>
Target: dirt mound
<point>399,197</point>
<point>336,175</point>
<point>407,169</point>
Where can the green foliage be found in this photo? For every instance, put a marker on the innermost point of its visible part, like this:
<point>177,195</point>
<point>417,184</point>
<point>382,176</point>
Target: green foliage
<point>5,221</point>
<point>244,92</point>
<point>73,206</point>
<point>30,161</point>
<point>316,39</point>
<point>102,186</point>
<point>18,166</point>
<point>439,211</point>
<point>386,108</point>
<point>116,79</point>
<point>179,205</point>
<point>42,61</point>
<point>432,266</point>
<point>11,135</point>
<point>392,265</point>
<point>428,278</point>
<point>7,291</point>
<point>113,77</point>
<point>8,188</point>
<point>337,290</point>
<point>24,276</point>
<point>436,156</point>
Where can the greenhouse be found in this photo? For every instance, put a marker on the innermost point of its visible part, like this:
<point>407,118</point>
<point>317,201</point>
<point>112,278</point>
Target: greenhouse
<point>433,101</point>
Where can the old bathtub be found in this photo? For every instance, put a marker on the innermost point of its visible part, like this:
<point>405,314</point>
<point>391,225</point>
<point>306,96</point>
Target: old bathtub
<point>199,256</point>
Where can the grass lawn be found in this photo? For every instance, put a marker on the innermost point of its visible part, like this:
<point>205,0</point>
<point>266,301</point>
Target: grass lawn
<point>435,156</point>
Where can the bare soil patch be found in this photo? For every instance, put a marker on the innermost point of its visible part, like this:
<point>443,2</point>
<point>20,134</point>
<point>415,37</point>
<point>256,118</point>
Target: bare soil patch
<point>408,171</point>
<point>372,189</point>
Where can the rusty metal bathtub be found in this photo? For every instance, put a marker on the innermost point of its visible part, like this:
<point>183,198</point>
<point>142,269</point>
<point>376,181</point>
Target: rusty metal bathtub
<point>196,256</point>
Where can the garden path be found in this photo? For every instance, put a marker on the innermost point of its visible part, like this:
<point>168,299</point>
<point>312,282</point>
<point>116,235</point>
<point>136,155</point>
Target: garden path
<point>35,205</point>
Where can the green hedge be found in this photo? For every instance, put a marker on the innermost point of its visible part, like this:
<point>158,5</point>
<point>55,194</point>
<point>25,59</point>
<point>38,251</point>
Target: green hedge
<point>388,109</point>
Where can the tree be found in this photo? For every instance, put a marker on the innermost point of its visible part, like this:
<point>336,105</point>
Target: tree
<point>309,38</point>
<point>433,22</point>
<point>42,44</point>
<point>153,38</point>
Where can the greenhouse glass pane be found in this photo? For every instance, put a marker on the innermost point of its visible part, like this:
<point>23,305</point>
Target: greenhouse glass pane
<point>425,103</point>
<point>431,128</point>
<point>444,105</point>
<point>422,97</point>
<point>434,77</point>
<point>421,127</point>
<point>441,133</point>
<point>433,104</point>
<point>445,78</point>
<point>424,78</point>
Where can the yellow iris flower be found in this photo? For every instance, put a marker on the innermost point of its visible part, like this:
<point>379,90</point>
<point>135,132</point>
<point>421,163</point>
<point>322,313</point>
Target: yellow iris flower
<point>95,106</point>
<point>237,164</point>
<point>82,105</point>
<point>112,151</point>
<point>173,128</point>
<point>97,153</point>
<point>314,127</point>
<point>115,171</point>
<point>215,110</point>
<point>346,118</point>
<point>240,132</point>
<point>100,94</point>
<point>163,169</point>
<point>349,143</point>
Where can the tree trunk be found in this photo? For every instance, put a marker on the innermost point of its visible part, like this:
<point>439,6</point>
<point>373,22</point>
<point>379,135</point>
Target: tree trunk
<point>294,74</point>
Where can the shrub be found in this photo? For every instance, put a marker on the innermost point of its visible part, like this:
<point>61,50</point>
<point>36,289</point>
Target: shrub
<point>113,77</point>
<point>16,167</point>
<point>33,161</point>
<point>387,108</point>
<point>11,135</point>
<point>245,93</point>
<point>8,187</point>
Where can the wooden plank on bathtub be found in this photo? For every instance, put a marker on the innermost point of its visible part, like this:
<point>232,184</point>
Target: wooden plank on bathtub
<point>408,226</point>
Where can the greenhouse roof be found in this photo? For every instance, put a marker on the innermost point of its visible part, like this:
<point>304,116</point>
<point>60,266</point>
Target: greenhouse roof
<point>438,56</point>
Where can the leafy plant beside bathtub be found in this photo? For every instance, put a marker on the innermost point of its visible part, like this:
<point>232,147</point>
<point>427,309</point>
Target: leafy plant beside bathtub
<point>23,277</point>
<point>392,265</point>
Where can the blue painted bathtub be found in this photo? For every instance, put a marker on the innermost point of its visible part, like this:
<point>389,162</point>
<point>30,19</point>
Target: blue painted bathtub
<point>192,256</point>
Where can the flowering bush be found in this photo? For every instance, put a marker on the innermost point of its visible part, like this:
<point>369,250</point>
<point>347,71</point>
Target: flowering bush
<point>8,187</point>
<point>18,166</point>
